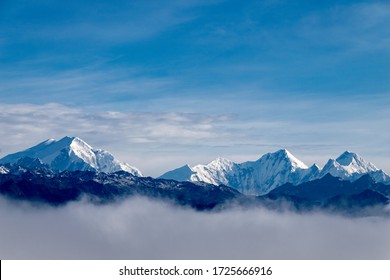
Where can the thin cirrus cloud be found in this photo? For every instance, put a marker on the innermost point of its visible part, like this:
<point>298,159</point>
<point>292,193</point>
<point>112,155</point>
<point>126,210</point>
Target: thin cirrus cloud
<point>335,49</point>
<point>80,87</point>
<point>330,49</point>
<point>359,27</point>
<point>98,21</point>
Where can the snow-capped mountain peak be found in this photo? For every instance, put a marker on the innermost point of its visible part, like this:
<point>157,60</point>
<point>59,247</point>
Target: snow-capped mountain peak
<point>276,169</point>
<point>348,166</point>
<point>283,155</point>
<point>216,172</point>
<point>72,153</point>
<point>347,157</point>
<point>220,163</point>
<point>85,152</point>
<point>356,162</point>
<point>251,177</point>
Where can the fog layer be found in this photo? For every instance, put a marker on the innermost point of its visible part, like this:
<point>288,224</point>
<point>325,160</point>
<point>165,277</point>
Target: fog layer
<point>144,229</point>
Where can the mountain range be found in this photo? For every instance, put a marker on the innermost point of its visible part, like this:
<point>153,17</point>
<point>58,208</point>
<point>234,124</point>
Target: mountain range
<point>56,172</point>
<point>258,177</point>
<point>273,170</point>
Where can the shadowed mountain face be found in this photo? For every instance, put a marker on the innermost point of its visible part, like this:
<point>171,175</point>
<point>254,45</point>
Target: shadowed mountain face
<point>36,182</point>
<point>46,186</point>
<point>361,197</point>
<point>259,177</point>
<point>367,198</point>
<point>329,186</point>
<point>56,172</point>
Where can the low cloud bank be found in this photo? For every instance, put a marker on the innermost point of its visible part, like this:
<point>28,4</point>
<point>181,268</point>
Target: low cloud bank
<point>144,229</point>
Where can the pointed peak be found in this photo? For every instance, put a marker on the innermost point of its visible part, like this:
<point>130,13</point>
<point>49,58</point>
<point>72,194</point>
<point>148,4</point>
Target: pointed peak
<point>331,161</point>
<point>349,166</point>
<point>65,141</point>
<point>70,139</point>
<point>184,167</point>
<point>348,157</point>
<point>315,166</point>
<point>48,141</point>
<point>221,161</point>
<point>285,154</point>
<point>77,139</point>
<point>66,138</point>
<point>282,152</point>
<point>218,160</point>
<point>218,163</point>
<point>348,154</point>
<point>183,173</point>
<point>77,142</point>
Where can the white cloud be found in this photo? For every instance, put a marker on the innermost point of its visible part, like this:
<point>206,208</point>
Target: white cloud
<point>127,135</point>
<point>143,229</point>
<point>158,141</point>
<point>89,85</point>
<point>140,127</point>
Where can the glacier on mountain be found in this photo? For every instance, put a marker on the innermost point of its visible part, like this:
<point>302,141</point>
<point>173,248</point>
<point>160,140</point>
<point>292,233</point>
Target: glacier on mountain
<point>350,166</point>
<point>259,177</point>
<point>71,154</point>
<point>252,177</point>
<point>276,169</point>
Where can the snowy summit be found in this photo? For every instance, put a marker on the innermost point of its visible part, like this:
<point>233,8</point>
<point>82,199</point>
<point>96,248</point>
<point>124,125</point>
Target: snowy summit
<point>71,154</point>
<point>251,177</point>
<point>275,169</point>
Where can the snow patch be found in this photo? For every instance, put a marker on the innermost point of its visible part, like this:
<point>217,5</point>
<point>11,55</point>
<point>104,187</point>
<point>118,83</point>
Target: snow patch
<point>3,170</point>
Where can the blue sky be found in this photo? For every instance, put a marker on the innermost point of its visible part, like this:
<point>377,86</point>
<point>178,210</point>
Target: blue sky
<point>161,84</point>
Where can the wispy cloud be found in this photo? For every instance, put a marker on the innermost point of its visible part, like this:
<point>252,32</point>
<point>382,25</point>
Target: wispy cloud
<point>332,48</point>
<point>102,22</point>
<point>126,134</point>
<point>156,141</point>
<point>80,86</point>
<point>358,27</point>
<point>143,229</point>
<point>143,127</point>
